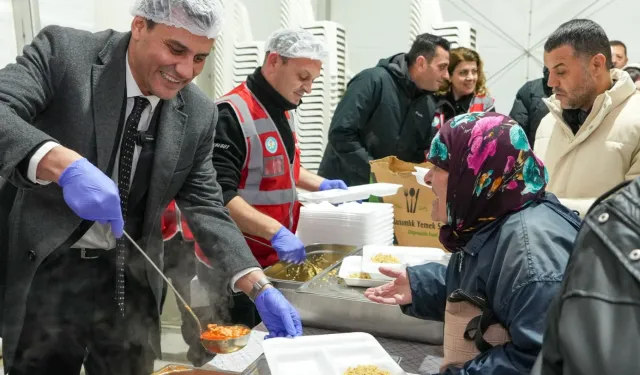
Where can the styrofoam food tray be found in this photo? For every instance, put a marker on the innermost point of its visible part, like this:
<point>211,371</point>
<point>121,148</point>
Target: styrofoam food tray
<point>408,256</point>
<point>351,265</point>
<point>353,193</point>
<point>347,209</point>
<point>327,236</point>
<point>326,354</point>
<point>369,218</point>
<point>358,229</point>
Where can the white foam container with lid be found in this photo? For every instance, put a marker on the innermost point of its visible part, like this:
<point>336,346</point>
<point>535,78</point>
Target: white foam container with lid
<point>327,354</point>
<point>353,193</point>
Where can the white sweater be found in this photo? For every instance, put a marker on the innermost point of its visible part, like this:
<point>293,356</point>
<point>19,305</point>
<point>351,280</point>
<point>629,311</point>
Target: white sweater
<point>601,155</point>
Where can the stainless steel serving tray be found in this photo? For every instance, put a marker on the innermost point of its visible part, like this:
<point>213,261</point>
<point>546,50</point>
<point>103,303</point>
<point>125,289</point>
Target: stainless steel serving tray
<point>276,273</point>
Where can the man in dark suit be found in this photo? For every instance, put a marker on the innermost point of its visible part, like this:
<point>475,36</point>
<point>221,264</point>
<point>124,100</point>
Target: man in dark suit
<point>113,120</point>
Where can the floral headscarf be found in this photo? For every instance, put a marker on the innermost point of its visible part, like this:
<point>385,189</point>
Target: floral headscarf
<point>492,172</point>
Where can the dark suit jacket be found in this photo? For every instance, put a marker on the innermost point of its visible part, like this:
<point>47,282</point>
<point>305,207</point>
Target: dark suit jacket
<point>69,86</point>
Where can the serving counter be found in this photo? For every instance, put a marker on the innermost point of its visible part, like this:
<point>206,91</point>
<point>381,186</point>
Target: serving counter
<point>324,301</point>
<point>413,357</point>
<point>327,305</point>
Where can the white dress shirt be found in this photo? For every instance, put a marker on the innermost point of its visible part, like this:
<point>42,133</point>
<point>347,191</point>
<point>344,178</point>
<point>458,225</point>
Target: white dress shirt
<point>99,236</point>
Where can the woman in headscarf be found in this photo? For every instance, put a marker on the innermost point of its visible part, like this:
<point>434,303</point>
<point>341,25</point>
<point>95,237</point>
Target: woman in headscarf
<point>510,242</point>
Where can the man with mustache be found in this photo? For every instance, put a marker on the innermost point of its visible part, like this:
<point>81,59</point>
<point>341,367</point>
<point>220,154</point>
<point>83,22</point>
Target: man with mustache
<point>590,139</point>
<point>387,110</point>
<point>619,56</point>
<point>99,132</point>
<point>257,156</point>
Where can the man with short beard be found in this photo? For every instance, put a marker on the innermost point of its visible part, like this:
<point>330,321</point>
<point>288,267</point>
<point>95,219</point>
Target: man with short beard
<point>590,139</point>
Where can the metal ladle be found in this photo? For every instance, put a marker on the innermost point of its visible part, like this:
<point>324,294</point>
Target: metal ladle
<point>186,305</point>
<point>214,346</point>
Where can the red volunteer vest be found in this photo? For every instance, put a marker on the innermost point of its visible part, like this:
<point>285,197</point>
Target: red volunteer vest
<point>173,222</point>
<point>268,178</point>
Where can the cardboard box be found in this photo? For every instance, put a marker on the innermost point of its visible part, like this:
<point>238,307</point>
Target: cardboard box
<point>412,204</point>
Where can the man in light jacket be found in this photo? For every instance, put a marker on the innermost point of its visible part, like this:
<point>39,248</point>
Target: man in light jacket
<point>590,139</point>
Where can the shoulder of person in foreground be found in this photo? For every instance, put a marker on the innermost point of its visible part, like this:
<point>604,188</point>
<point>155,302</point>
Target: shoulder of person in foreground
<point>590,297</point>
<point>535,243</point>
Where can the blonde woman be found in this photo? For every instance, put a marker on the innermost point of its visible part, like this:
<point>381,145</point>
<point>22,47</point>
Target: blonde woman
<point>465,91</point>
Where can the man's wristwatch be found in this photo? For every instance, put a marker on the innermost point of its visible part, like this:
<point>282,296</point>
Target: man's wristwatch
<point>258,287</point>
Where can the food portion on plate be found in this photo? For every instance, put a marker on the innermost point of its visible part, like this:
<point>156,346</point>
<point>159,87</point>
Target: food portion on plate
<point>366,370</point>
<point>385,258</point>
<point>360,275</point>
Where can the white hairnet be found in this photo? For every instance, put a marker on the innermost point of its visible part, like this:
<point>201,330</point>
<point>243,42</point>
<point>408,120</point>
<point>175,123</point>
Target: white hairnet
<point>199,17</point>
<point>297,44</point>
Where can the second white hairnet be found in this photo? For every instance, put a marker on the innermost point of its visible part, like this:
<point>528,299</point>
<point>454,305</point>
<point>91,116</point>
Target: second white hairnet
<point>199,17</point>
<point>297,44</point>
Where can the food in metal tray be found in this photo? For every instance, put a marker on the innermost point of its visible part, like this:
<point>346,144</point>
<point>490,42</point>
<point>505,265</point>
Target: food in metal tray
<point>366,370</point>
<point>360,275</point>
<point>384,258</point>
<point>315,264</point>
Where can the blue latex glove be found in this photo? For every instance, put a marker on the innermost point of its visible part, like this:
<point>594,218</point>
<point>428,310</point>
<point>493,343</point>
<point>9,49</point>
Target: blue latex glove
<point>288,246</point>
<point>332,184</point>
<point>280,318</point>
<point>92,195</point>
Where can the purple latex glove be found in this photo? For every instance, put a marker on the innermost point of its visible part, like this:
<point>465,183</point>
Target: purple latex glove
<point>332,184</point>
<point>280,318</point>
<point>288,246</point>
<point>92,195</point>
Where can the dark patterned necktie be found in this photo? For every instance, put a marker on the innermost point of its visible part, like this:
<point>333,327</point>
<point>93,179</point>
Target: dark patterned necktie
<point>125,164</point>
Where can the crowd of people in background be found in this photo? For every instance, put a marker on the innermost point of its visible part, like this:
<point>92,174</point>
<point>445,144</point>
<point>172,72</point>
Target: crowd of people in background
<point>573,135</point>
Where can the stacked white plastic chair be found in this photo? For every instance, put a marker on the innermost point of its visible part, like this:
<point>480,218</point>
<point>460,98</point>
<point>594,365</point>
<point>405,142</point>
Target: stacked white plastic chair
<point>236,54</point>
<point>314,115</point>
<point>247,57</point>
<point>426,17</point>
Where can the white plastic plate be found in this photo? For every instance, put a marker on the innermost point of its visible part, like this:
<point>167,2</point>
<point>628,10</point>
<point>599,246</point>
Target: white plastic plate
<point>351,265</point>
<point>353,193</point>
<point>408,256</point>
<point>326,354</point>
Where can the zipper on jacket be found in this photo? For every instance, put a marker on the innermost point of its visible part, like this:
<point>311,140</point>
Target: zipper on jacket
<point>461,259</point>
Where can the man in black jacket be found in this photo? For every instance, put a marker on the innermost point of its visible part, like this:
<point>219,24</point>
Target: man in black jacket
<point>528,108</point>
<point>387,110</point>
<point>593,325</point>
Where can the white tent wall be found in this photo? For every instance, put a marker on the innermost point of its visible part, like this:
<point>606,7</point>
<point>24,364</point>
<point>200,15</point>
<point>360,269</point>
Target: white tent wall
<point>8,50</point>
<point>375,29</point>
<point>504,42</point>
<point>510,34</point>
<point>265,15</point>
